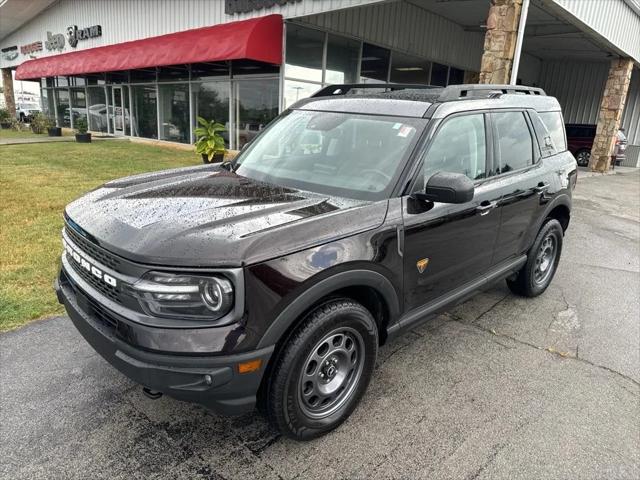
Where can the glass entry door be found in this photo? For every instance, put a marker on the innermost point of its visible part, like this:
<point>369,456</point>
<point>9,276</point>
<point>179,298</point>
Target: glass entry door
<point>256,104</point>
<point>118,110</point>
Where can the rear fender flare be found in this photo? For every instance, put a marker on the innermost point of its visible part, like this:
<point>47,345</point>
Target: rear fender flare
<point>560,200</point>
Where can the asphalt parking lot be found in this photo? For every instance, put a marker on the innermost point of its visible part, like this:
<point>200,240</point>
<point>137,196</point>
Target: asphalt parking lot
<point>500,387</point>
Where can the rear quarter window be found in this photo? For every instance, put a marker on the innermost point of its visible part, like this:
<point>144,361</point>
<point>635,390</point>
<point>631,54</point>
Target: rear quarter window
<point>555,126</point>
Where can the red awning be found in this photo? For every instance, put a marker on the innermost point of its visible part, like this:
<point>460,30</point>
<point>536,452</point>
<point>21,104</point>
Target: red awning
<point>254,39</point>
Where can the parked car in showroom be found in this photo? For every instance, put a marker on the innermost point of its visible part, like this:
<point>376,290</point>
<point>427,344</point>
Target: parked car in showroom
<point>580,140</point>
<point>272,280</point>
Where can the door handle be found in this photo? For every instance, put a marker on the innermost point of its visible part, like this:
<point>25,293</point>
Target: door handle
<point>485,207</point>
<point>541,187</point>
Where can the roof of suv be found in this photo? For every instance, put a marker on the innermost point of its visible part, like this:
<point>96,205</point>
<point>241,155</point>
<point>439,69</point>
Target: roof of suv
<point>417,100</point>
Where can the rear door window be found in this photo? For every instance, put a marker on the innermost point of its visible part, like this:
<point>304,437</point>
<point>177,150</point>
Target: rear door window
<point>513,141</point>
<point>555,126</point>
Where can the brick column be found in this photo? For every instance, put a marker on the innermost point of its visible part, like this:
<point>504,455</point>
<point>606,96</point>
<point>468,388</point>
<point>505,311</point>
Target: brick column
<point>500,41</point>
<point>610,115</point>
<point>7,85</point>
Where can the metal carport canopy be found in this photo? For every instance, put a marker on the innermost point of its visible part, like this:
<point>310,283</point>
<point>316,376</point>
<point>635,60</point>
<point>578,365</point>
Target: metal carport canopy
<point>254,39</point>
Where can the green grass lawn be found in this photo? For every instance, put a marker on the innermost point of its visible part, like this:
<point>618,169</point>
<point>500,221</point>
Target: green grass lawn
<point>36,182</point>
<point>6,133</point>
<point>11,134</point>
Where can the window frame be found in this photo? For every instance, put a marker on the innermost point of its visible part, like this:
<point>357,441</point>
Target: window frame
<point>536,154</point>
<point>425,145</point>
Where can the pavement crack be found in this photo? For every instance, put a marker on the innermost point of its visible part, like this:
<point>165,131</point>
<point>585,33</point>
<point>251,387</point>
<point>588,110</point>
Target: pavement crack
<point>551,351</point>
<point>605,267</point>
<point>494,453</point>
<point>492,307</point>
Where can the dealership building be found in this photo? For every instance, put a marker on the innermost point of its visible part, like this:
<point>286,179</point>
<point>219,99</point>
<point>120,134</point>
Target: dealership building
<point>149,68</point>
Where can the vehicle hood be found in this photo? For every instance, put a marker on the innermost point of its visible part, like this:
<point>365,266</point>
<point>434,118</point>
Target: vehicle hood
<point>209,216</point>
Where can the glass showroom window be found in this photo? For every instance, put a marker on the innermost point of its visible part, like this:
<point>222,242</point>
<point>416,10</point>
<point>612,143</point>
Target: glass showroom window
<point>256,104</point>
<point>303,69</point>
<point>211,101</point>
<point>409,69</point>
<point>174,113</point>
<point>294,91</point>
<point>456,76</point>
<point>374,66</point>
<point>46,99</point>
<point>342,60</point>
<point>78,104</point>
<point>62,107</point>
<point>144,114</point>
<point>305,50</point>
<point>439,74</point>
<point>97,109</point>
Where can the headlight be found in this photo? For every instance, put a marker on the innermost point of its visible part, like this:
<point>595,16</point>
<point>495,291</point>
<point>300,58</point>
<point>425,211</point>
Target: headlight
<point>184,296</point>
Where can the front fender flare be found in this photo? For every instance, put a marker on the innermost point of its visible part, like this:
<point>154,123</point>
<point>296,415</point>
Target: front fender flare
<point>351,278</point>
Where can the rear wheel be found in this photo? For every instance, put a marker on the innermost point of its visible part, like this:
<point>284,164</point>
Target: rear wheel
<point>323,371</point>
<point>583,157</point>
<point>542,262</point>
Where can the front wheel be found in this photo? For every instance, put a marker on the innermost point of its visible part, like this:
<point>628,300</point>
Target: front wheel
<point>542,262</point>
<point>323,370</point>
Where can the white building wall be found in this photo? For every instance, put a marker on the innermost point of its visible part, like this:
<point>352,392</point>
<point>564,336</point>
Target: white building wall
<point>631,116</point>
<point>577,86</point>
<point>631,121</point>
<point>615,21</point>
<point>125,20</point>
<point>408,28</point>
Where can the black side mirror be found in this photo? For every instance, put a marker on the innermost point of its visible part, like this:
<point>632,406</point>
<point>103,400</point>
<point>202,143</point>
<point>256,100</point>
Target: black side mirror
<point>445,187</point>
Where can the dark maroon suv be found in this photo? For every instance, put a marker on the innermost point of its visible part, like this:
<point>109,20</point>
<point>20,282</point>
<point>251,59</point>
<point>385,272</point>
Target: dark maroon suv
<point>580,141</point>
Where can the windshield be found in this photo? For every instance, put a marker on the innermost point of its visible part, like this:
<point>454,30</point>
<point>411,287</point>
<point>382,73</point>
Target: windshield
<point>30,106</point>
<point>355,156</point>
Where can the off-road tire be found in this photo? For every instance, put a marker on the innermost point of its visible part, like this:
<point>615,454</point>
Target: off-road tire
<point>527,282</point>
<point>286,405</point>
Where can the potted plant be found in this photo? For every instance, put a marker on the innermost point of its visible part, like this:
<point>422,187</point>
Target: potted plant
<point>209,142</point>
<point>52,130</point>
<point>5,118</point>
<point>38,123</point>
<point>82,135</point>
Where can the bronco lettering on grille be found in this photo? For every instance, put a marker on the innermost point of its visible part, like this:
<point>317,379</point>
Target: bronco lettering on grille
<point>86,262</point>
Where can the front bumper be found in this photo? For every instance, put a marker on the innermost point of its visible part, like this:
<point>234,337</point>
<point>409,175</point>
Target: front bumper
<point>212,381</point>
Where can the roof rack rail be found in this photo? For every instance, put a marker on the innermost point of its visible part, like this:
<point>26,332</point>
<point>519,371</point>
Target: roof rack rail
<point>487,90</point>
<point>343,89</point>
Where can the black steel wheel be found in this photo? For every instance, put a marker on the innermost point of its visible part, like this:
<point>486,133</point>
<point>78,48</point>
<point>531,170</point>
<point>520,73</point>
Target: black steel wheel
<point>323,370</point>
<point>542,262</point>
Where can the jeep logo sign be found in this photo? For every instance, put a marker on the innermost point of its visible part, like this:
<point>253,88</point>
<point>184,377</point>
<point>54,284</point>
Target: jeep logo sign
<point>74,35</point>
<point>54,42</point>
<point>85,262</point>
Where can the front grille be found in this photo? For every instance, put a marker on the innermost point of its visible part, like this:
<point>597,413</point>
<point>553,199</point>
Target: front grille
<point>90,306</point>
<point>91,249</point>
<point>98,284</point>
<point>101,314</point>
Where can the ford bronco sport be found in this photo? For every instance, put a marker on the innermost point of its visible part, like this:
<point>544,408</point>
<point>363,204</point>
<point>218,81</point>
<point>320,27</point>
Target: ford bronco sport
<point>354,216</point>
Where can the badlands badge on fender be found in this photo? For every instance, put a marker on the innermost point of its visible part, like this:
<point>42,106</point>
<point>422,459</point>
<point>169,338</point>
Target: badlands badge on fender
<point>422,264</point>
